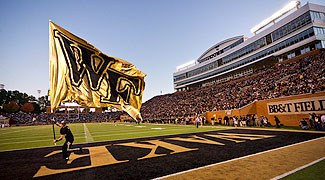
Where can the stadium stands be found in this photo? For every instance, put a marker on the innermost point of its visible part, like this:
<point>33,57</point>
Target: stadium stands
<point>305,75</point>
<point>43,118</point>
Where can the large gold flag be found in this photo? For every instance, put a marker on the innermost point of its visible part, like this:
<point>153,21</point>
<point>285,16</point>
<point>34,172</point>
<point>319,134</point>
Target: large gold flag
<point>80,73</point>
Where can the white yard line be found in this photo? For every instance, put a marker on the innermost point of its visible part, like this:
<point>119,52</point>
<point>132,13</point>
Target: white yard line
<point>19,131</point>
<point>27,141</point>
<point>13,128</point>
<point>299,168</point>
<point>50,140</point>
<point>37,137</point>
<point>137,132</point>
<point>97,133</point>
<point>88,136</point>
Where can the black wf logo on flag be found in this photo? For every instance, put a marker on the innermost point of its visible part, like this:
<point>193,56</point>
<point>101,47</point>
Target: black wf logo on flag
<point>85,64</point>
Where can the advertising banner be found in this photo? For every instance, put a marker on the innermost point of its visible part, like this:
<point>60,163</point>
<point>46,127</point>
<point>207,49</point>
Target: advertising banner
<point>298,106</point>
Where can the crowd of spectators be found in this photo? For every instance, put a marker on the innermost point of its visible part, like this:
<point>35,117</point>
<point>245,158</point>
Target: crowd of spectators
<point>306,75</point>
<point>43,118</point>
<point>313,122</point>
<point>243,121</point>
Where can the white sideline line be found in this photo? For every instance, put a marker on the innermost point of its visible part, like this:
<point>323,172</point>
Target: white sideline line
<point>88,136</point>
<point>182,172</point>
<point>297,169</point>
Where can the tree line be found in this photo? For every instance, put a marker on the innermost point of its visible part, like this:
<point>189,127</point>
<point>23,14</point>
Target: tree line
<point>13,101</point>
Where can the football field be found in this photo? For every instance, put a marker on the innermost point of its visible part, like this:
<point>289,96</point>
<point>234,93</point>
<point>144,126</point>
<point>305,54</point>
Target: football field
<point>152,151</point>
<point>42,136</point>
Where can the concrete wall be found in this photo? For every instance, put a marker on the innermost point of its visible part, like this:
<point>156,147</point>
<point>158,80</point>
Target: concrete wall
<point>261,108</point>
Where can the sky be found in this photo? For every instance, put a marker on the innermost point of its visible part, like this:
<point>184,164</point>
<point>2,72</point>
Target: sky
<point>154,35</point>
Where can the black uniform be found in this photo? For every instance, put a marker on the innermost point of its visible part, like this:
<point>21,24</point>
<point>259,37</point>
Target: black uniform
<point>68,141</point>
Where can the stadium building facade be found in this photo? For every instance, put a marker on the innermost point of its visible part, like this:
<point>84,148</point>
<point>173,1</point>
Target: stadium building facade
<point>298,33</point>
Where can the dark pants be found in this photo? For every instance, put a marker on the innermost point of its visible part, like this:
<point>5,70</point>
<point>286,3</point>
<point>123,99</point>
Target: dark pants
<point>197,124</point>
<point>311,123</point>
<point>277,124</point>
<point>66,149</point>
<point>318,126</point>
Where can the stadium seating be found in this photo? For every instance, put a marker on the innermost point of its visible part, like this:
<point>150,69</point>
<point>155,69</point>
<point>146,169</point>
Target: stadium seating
<point>43,118</point>
<point>306,75</point>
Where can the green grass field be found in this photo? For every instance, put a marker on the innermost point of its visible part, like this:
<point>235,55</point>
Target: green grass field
<point>42,136</point>
<point>313,172</point>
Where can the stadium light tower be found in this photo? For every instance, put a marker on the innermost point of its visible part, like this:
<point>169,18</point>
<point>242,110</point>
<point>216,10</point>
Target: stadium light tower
<point>39,93</point>
<point>275,16</point>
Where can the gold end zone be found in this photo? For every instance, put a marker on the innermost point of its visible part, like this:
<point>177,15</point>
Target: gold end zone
<point>264,165</point>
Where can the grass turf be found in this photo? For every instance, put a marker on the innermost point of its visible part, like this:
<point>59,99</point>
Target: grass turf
<point>42,136</point>
<point>315,171</point>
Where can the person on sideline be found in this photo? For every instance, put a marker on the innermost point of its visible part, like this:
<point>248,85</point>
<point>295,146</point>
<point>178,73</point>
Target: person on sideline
<point>235,121</point>
<point>67,134</point>
<point>277,121</point>
<point>323,121</point>
<point>196,119</point>
<point>304,124</point>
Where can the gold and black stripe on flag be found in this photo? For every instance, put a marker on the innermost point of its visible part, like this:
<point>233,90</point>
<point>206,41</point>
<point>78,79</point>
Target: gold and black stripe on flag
<point>80,73</point>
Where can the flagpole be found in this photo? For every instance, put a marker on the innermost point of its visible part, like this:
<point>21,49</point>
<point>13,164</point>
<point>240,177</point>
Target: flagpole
<point>53,133</point>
